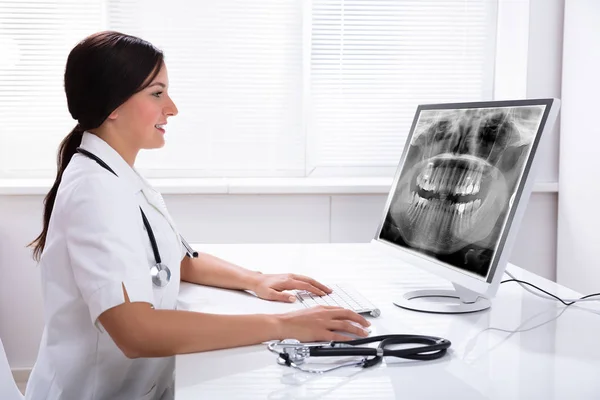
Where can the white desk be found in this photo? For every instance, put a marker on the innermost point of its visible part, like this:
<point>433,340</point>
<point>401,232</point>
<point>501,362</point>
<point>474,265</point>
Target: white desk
<point>495,354</point>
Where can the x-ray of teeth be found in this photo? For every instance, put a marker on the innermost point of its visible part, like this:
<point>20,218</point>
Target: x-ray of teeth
<point>458,182</point>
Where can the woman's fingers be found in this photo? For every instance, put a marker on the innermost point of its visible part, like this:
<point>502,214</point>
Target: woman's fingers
<point>343,313</point>
<point>301,285</point>
<point>324,323</point>
<point>338,337</point>
<point>281,296</point>
<point>348,315</point>
<point>346,326</point>
<point>313,282</point>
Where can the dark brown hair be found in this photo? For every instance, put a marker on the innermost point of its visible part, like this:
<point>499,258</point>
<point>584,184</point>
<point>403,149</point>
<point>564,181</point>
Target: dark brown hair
<point>102,72</point>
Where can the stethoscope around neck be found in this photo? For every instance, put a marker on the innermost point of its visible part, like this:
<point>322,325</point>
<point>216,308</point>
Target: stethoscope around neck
<point>161,274</point>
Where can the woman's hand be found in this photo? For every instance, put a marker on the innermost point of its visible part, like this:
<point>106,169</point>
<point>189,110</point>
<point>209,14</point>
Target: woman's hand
<point>272,286</point>
<point>320,323</point>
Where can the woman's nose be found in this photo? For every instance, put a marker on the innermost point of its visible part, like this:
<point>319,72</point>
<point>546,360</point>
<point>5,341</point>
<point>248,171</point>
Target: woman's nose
<point>171,109</point>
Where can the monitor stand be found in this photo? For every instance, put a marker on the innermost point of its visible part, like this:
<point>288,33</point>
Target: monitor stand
<point>469,301</point>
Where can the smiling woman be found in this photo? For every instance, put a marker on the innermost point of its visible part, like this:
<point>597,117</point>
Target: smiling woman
<point>110,278</point>
<point>127,66</point>
<point>143,116</point>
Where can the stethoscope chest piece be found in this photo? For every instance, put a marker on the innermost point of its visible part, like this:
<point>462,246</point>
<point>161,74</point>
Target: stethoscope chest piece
<point>295,354</point>
<point>161,275</point>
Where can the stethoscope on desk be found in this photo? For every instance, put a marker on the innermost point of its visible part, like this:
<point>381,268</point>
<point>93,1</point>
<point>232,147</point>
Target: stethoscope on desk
<point>161,274</point>
<point>293,353</point>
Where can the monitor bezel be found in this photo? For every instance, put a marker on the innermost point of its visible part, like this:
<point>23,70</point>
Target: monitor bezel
<point>488,285</point>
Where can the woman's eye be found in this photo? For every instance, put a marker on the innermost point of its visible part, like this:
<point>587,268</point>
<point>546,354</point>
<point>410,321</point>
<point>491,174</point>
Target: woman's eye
<point>157,94</point>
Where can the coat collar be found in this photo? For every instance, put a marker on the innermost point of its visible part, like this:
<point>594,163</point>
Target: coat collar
<point>135,181</point>
<point>106,153</point>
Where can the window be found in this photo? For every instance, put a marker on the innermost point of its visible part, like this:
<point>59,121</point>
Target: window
<point>264,88</point>
<point>373,62</point>
<point>35,39</point>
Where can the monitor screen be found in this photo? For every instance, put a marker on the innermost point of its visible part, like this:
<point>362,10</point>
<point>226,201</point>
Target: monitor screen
<point>459,177</point>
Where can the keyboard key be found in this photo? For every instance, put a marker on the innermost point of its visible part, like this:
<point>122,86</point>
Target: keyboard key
<point>342,296</point>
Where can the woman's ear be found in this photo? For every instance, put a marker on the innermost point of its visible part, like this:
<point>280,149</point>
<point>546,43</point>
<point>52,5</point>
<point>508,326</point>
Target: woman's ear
<point>113,115</point>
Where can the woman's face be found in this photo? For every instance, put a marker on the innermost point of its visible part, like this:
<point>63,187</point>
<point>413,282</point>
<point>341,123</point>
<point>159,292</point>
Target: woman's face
<point>142,118</point>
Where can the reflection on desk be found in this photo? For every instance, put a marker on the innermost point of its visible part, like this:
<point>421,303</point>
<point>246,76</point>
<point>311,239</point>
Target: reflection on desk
<point>524,347</point>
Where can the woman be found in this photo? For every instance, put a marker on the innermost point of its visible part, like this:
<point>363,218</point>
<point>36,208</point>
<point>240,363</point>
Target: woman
<point>111,259</point>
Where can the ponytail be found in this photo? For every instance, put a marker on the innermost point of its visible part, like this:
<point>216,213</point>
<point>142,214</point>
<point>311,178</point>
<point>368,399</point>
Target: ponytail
<point>102,72</point>
<point>66,150</point>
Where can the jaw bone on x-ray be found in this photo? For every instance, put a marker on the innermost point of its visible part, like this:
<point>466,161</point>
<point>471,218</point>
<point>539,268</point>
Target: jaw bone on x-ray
<point>458,182</point>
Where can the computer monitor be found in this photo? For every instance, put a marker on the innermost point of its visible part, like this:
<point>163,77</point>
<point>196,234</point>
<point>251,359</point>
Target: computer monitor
<point>459,193</point>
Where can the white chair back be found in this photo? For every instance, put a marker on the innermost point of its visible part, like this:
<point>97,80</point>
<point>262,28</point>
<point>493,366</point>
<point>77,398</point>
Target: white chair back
<point>8,387</point>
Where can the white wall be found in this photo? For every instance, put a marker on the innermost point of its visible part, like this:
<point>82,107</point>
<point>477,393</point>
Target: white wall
<point>529,65</point>
<point>579,215</point>
<point>543,79</point>
<point>316,217</point>
<point>225,219</point>
<point>544,71</point>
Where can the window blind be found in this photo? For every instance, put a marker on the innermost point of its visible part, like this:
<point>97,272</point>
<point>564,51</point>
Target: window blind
<point>35,39</point>
<point>235,73</point>
<point>263,87</point>
<point>373,62</point>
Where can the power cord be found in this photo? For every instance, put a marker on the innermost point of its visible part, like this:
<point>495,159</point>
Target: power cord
<point>566,302</point>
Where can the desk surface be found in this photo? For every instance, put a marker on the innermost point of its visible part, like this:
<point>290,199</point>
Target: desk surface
<point>524,347</point>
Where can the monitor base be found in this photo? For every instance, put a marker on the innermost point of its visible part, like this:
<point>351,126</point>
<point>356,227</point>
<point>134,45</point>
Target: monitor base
<point>468,301</point>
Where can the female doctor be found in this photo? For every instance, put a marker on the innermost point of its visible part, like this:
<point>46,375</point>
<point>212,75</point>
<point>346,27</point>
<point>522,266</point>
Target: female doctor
<point>110,256</point>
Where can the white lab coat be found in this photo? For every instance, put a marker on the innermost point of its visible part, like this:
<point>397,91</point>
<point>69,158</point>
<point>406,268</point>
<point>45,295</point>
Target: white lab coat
<point>96,244</point>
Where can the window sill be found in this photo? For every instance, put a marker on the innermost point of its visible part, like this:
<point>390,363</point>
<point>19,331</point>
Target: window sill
<point>335,185</point>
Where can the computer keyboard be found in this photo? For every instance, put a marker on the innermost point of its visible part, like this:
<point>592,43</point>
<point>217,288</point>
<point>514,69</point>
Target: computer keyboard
<point>342,296</point>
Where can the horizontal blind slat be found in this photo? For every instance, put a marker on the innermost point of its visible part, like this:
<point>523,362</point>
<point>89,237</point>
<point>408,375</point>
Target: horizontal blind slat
<point>236,74</point>
<point>373,62</point>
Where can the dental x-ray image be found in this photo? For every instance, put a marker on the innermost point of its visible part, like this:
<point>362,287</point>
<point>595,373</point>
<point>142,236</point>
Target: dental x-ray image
<point>458,182</point>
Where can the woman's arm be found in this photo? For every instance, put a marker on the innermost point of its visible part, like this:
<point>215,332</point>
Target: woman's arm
<point>213,271</point>
<point>141,331</point>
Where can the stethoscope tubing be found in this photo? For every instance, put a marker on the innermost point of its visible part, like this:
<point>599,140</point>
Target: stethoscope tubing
<point>151,236</point>
<point>430,350</point>
<point>433,348</point>
<point>295,352</point>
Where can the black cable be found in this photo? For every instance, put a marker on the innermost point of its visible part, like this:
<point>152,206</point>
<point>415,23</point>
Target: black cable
<point>550,294</point>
